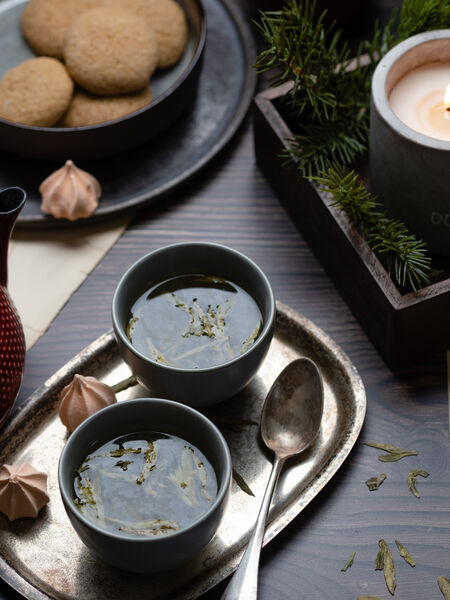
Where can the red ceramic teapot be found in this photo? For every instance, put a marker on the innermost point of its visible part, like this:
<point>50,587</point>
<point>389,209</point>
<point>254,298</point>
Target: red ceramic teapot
<point>12,342</point>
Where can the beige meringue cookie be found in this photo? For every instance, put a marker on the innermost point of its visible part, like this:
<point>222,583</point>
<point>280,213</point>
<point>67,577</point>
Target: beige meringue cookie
<point>70,193</point>
<point>23,491</point>
<point>82,398</point>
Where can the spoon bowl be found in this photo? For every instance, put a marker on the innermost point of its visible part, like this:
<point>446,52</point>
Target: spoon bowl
<point>290,422</point>
<point>293,408</point>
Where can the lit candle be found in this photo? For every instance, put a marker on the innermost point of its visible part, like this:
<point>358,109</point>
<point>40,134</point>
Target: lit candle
<point>410,136</point>
<point>421,99</point>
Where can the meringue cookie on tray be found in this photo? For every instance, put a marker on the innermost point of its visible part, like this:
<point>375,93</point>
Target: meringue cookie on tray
<point>70,193</point>
<point>23,491</point>
<point>82,398</point>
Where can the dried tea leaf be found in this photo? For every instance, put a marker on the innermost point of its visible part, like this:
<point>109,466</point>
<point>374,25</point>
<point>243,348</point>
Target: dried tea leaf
<point>251,338</point>
<point>121,451</point>
<point>374,482</point>
<point>125,384</point>
<point>86,491</point>
<point>123,464</point>
<point>241,483</point>
<point>394,456</point>
<point>155,527</point>
<point>394,453</point>
<point>349,563</point>
<point>185,477</point>
<point>379,560</point>
<point>444,586</point>
<point>405,554</point>
<point>385,447</point>
<point>412,481</point>
<point>150,456</point>
<point>388,567</point>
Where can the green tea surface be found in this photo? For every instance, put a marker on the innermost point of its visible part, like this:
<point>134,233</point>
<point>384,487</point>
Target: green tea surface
<point>145,484</point>
<point>194,322</point>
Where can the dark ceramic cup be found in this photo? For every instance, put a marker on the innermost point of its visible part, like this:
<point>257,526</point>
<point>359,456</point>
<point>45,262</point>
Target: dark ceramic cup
<point>196,387</point>
<point>146,554</point>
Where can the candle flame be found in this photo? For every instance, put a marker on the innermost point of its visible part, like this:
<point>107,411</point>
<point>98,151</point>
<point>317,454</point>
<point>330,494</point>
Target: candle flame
<point>447,98</point>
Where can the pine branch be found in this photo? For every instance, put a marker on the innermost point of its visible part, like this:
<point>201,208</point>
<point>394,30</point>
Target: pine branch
<point>401,253</point>
<point>314,146</point>
<point>330,104</point>
<point>306,53</point>
<point>329,101</point>
<point>423,15</point>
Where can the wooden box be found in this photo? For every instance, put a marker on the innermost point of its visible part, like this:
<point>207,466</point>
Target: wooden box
<point>407,329</point>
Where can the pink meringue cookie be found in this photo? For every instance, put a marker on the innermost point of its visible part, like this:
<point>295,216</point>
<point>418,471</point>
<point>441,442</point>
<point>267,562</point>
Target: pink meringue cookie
<point>82,398</point>
<point>70,193</point>
<point>23,491</point>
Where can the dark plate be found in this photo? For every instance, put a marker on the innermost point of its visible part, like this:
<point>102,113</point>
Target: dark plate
<point>225,89</point>
<point>173,90</point>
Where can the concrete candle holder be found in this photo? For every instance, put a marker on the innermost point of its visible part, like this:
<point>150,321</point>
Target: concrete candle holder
<point>410,171</point>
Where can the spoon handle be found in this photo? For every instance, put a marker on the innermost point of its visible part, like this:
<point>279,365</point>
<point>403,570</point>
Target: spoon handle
<point>244,583</point>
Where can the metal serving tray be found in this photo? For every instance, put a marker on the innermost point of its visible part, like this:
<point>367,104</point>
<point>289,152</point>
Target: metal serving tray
<point>43,557</point>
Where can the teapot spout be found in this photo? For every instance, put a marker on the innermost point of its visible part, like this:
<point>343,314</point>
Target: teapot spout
<point>11,202</point>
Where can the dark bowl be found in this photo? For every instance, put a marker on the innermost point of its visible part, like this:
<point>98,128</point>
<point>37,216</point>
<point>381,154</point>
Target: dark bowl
<point>202,386</point>
<point>173,90</point>
<point>146,554</point>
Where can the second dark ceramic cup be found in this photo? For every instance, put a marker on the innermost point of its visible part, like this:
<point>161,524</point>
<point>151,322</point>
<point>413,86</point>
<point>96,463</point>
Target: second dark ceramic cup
<point>196,387</point>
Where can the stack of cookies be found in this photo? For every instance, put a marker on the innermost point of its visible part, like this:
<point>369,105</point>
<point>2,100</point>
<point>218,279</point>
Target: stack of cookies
<point>95,60</point>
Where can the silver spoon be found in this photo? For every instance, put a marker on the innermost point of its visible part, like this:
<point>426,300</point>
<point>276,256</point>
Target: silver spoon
<point>290,422</point>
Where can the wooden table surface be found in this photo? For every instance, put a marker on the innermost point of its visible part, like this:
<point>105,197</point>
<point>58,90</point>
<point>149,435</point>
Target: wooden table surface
<point>231,203</point>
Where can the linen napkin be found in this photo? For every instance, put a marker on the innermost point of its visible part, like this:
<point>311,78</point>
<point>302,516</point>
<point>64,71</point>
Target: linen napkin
<point>46,266</point>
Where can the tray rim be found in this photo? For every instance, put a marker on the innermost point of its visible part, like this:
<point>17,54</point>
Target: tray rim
<point>106,342</point>
<point>145,199</point>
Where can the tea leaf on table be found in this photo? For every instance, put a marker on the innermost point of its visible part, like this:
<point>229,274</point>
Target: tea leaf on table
<point>241,483</point>
<point>386,447</point>
<point>412,481</point>
<point>379,561</point>
<point>394,453</point>
<point>444,586</point>
<point>349,563</point>
<point>374,482</point>
<point>405,554</point>
<point>396,456</point>
<point>388,567</point>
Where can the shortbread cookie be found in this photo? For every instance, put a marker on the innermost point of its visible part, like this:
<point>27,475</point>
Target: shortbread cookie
<point>87,109</point>
<point>44,23</point>
<point>110,51</point>
<point>168,21</point>
<point>36,92</point>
